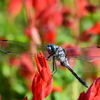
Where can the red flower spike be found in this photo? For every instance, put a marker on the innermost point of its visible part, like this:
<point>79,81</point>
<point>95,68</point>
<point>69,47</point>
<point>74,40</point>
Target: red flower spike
<point>42,82</point>
<point>95,30</point>
<point>41,61</point>
<point>28,33</point>
<point>15,7</point>
<point>39,5</point>
<point>49,37</point>
<point>33,34</point>
<point>93,92</point>
<point>57,18</point>
<point>81,96</point>
<point>81,10</point>
<point>49,11</point>
<point>28,4</point>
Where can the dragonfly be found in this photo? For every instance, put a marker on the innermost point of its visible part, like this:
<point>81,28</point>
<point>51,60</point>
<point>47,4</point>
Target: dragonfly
<point>52,52</point>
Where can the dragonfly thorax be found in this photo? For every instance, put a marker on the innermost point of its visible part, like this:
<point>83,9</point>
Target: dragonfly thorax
<point>57,52</point>
<point>60,54</point>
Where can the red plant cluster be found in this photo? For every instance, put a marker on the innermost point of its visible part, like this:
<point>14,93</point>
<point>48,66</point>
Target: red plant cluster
<point>95,30</point>
<point>93,92</point>
<point>44,17</point>
<point>42,81</point>
<point>48,15</point>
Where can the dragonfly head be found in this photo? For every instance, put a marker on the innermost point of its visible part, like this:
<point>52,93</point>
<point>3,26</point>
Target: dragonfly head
<point>51,48</point>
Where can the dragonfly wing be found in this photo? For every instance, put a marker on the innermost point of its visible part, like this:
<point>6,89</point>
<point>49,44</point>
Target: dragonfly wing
<point>13,47</point>
<point>91,53</point>
<point>17,47</point>
<point>12,50</point>
<point>84,56</point>
<point>88,54</point>
<point>89,58</point>
<point>85,67</point>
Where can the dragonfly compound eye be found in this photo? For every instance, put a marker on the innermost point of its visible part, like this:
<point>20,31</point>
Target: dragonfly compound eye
<point>51,48</point>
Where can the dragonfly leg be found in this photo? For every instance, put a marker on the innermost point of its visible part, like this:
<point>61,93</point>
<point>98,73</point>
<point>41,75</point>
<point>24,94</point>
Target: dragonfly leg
<point>54,66</point>
<point>49,56</point>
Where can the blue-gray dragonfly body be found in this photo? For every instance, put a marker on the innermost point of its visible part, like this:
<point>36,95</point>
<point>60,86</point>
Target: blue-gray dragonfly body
<point>58,53</point>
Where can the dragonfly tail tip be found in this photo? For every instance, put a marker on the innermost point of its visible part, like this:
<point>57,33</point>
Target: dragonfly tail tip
<point>86,86</point>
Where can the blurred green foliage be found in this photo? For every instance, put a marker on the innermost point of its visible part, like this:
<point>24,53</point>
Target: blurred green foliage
<point>12,85</point>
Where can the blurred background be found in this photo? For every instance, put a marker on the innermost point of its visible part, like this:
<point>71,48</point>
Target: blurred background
<point>66,23</point>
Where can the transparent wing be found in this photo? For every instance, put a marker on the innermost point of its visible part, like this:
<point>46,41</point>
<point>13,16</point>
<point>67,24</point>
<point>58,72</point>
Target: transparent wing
<point>85,67</point>
<point>14,47</point>
<point>84,56</point>
<point>12,50</point>
<point>89,54</point>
